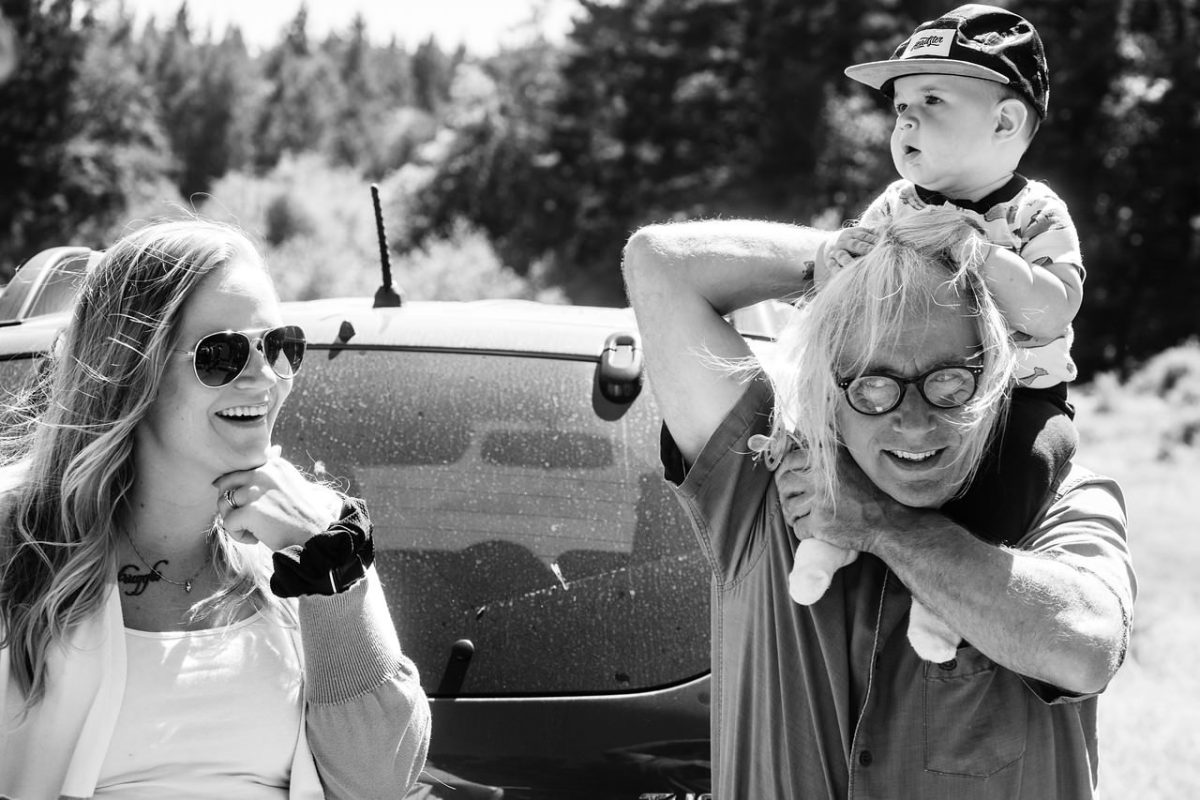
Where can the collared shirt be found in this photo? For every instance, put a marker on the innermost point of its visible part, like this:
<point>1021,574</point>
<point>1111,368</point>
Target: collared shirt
<point>829,700</point>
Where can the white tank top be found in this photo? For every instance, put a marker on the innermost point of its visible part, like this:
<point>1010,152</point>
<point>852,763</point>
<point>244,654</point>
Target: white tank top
<point>212,713</point>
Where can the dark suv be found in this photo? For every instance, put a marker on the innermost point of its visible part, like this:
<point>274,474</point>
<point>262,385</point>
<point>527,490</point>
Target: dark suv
<point>538,569</point>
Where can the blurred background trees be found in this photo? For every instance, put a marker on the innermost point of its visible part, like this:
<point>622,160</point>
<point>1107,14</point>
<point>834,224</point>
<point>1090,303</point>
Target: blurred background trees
<point>534,164</point>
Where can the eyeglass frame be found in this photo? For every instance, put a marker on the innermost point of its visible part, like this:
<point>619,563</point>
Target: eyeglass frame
<point>256,342</point>
<point>975,371</point>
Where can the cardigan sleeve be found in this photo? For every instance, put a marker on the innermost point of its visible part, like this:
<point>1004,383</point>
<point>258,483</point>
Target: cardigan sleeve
<point>368,720</point>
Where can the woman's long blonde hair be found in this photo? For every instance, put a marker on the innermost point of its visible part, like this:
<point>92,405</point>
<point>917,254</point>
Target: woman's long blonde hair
<point>864,308</point>
<point>66,456</point>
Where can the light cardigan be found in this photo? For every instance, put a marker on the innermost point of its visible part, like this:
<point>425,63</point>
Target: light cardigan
<point>365,721</point>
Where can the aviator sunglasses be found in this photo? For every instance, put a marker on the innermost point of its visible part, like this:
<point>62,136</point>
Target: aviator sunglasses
<point>943,387</point>
<point>219,358</point>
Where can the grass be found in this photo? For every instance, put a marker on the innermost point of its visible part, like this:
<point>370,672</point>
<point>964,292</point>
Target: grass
<point>1139,434</point>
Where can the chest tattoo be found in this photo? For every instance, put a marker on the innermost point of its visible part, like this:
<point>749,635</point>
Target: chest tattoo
<point>134,582</point>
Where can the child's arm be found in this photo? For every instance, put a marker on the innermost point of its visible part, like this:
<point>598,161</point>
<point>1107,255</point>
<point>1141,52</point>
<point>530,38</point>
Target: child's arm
<point>1039,287</point>
<point>845,246</point>
<point>1037,299</point>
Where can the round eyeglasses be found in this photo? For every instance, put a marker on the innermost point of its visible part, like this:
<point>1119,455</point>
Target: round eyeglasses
<point>942,387</point>
<point>219,358</point>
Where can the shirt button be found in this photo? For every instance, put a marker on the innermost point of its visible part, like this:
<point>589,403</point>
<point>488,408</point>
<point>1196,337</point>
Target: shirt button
<point>865,758</point>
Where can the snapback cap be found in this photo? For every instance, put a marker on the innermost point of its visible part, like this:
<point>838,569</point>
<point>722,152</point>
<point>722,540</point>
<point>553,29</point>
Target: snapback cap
<point>975,41</point>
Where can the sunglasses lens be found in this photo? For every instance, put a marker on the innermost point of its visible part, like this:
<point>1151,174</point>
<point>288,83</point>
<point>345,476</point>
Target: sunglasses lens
<point>220,357</point>
<point>284,349</point>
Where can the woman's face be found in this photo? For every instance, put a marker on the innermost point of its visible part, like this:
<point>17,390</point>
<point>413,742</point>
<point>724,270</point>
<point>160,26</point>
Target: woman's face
<point>913,452</point>
<point>213,431</point>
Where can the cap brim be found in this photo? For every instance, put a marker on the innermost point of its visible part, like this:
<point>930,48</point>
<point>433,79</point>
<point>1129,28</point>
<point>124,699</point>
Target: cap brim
<point>876,73</point>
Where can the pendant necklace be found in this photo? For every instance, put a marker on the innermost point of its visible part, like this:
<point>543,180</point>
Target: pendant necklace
<point>186,584</point>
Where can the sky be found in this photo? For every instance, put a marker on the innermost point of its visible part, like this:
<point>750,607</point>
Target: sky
<point>482,25</point>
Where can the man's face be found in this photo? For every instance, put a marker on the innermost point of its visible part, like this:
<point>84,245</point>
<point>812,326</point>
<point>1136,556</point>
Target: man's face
<point>912,453</point>
<point>944,137</point>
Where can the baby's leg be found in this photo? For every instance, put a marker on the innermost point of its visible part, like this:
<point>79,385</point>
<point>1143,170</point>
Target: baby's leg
<point>929,636</point>
<point>813,569</point>
<point>1034,444</point>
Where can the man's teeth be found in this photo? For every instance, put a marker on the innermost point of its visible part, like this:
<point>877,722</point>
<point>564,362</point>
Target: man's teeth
<point>910,456</point>
<point>243,411</point>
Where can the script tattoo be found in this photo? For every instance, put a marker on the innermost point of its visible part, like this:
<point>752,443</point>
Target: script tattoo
<point>137,582</point>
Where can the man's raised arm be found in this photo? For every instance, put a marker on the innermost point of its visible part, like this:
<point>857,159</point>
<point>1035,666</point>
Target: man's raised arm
<point>682,279</point>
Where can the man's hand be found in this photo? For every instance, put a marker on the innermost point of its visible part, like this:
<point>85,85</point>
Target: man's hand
<point>849,245</point>
<point>795,490</point>
<point>861,514</point>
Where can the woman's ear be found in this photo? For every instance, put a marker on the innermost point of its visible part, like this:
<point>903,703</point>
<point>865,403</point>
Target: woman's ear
<point>1011,118</point>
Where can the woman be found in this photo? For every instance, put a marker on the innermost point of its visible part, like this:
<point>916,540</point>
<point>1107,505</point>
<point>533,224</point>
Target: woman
<point>147,649</point>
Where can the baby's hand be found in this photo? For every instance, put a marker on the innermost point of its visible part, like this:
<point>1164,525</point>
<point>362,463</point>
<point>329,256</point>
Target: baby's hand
<point>847,247</point>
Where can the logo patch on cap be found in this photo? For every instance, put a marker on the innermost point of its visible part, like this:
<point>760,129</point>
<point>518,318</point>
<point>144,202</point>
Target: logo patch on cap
<point>930,43</point>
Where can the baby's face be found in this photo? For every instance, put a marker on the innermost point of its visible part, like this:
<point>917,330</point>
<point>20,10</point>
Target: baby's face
<point>945,135</point>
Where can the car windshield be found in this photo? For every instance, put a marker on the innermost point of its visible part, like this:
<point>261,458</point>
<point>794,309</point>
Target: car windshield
<point>509,513</point>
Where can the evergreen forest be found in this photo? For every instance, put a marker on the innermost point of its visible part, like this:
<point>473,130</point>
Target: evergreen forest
<point>545,155</point>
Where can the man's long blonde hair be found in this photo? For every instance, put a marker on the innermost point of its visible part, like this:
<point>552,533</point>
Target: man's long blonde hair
<point>867,306</point>
<point>66,452</point>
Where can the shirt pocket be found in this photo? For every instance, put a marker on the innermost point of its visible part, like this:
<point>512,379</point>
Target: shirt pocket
<point>976,716</point>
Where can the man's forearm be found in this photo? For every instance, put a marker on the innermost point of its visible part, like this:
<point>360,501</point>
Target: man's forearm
<point>732,263</point>
<point>1036,615</point>
<point>682,279</point>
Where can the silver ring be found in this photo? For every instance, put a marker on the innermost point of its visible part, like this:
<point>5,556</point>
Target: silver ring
<point>227,496</point>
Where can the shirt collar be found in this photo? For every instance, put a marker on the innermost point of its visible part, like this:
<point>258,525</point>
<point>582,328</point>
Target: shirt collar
<point>1002,195</point>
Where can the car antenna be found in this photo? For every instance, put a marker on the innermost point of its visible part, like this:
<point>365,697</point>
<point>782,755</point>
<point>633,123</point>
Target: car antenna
<point>385,295</point>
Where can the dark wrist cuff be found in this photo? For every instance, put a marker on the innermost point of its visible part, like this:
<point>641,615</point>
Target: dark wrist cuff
<point>330,562</point>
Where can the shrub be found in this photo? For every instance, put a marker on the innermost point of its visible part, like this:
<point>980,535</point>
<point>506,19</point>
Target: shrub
<point>1107,389</point>
<point>1173,374</point>
<point>318,226</point>
<point>285,219</point>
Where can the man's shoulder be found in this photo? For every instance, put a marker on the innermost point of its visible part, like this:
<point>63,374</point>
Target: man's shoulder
<point>1074,475</point>
<point>1080,506</point>
<point>749,415</point>
<point>1080,490</point>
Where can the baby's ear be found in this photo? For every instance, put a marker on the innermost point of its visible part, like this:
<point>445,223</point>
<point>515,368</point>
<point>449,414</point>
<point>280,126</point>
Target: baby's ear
<point>1011,118</point>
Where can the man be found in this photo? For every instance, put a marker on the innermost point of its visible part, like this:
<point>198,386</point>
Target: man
<point>829,700</point>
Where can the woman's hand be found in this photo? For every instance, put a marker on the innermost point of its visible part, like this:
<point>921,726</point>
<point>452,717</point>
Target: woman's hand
<point>274,504</point>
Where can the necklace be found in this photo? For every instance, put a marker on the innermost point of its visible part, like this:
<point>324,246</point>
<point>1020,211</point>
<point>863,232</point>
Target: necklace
<point>186,584</point>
